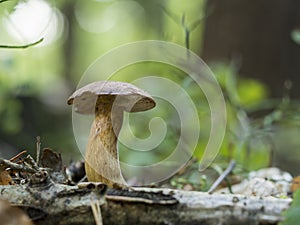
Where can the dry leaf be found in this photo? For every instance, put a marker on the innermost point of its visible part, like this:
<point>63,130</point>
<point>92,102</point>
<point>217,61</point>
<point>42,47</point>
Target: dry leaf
<point>5,178</point>
<point>52,160</point>
<point>295,184</point>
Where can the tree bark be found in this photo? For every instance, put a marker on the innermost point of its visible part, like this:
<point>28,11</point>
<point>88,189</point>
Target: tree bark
<point>54,203</point>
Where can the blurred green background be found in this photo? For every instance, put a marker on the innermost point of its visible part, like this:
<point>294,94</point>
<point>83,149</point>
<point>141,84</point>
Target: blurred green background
<point>251,46</point>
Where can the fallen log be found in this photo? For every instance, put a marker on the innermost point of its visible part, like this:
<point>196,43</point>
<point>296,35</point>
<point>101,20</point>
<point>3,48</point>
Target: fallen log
<point>194,208</point>
<point>52,203</point>
<point>63,204</point>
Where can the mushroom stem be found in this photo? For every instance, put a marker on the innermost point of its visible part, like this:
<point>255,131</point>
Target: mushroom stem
<point>102,159</point>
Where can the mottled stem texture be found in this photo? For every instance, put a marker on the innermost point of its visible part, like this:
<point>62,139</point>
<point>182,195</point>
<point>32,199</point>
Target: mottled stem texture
<point>101,158</point>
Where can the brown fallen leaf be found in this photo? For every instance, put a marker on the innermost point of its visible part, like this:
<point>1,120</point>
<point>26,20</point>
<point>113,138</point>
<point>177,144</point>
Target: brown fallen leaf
<point>51,159</point>
<point>295,184</point>
<point>5,178</point>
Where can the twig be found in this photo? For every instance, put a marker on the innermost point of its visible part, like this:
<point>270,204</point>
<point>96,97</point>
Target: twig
<point>38,150</point>
<point>31,162</point>
<point>187,29</point>
<point>96,211</point>
<point>21,46</point>
<point>3,1</point>
<point>222,176</point>
<point>18,156</point>
<point>14,166</point>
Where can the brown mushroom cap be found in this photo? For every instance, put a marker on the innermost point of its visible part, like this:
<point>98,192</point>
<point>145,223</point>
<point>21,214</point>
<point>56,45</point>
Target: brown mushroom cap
<point>128,96</point>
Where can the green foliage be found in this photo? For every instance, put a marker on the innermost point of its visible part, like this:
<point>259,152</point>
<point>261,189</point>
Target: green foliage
<point>292,215</point>
<point>251,92</point>
<point>253,119</point>
<point>9,112</point>
<point>94,28</point>
<point>249,138</point>
<point>41,72</point>
<point>10,119</point>
<point>296,36</point>
<point>239,91</point>
<point>139,123</point>
<point>246,140</point>
<point>190,176</point>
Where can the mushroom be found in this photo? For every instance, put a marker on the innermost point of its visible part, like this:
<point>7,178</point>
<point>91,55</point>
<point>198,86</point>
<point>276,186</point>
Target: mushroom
<point>107,100</point>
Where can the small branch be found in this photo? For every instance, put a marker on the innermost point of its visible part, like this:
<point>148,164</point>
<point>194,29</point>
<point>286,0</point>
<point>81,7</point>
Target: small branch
<point>222,176</point>
<point>95,204</point>
<point>19,155</point>
<point>38,150</point>
<point>31,163</point>
<point>14,166</point>
<point>3,1</point>
<point>21,46</point>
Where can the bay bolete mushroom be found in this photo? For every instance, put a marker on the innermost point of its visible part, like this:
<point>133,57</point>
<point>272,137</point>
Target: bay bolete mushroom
<point>107,100</point>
